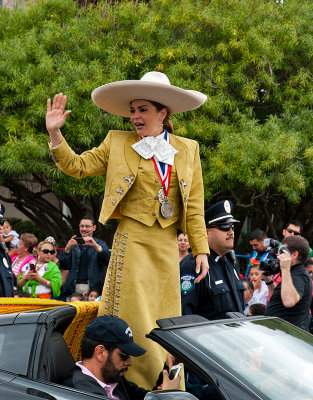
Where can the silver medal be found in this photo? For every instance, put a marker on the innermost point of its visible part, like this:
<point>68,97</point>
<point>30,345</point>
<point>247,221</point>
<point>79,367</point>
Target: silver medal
<point>167,209</point>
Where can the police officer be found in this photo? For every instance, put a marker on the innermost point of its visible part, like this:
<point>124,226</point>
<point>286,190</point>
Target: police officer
<point>221,290</point>
<point>6,275</point>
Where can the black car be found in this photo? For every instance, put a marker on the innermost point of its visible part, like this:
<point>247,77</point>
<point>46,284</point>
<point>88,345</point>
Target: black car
<point>241,358</point>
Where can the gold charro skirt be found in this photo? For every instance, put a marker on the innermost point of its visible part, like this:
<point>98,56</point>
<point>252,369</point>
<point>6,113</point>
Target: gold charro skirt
<point>141,286</point>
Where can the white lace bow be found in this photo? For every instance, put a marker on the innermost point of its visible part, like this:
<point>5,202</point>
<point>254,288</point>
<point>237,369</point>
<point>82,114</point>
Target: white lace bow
<point>157,147</point>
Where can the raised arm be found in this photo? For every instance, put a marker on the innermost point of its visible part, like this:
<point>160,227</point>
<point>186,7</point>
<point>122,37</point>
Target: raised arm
<point>56,117</point>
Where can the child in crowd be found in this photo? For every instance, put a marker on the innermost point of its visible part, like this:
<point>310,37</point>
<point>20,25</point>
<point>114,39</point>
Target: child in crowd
<point>92,295</point>
<point>256,309</point>
<point>10,237</point>
<point>260,290</point>
<point>76,297</point>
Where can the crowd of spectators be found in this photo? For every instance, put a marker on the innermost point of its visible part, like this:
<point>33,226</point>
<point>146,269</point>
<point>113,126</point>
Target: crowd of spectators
<point>79,268</point>
<point>77,272</point>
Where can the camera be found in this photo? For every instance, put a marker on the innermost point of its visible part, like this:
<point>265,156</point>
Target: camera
<point>80,240</point>
<point>272,266</point>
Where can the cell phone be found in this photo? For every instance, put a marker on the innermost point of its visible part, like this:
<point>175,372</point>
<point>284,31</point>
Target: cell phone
<point>174,372</point>
<point>32,267</point>
<point>80,239</point>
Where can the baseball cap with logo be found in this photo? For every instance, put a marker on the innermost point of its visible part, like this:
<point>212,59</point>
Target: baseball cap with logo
<point>109,329</point>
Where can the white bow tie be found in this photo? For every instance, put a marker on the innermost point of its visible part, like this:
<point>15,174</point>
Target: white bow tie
<point>159,148</point>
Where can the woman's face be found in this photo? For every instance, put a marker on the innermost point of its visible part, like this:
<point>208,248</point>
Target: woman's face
<point>183,242</point>
<point>147,120</point>
<point>22,250</point>
<point>44,254</point>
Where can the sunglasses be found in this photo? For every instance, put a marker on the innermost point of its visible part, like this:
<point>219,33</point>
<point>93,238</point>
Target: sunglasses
<point>46,251</point>
<point>124,356</point>
<point>223,227</point>
<point>292,231</point>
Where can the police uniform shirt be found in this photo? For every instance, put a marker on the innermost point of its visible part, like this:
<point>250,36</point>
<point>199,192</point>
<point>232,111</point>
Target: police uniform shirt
<point>221,291</point>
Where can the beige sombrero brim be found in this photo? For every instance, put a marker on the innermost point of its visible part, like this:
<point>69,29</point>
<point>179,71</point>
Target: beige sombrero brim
<point>115,97</point>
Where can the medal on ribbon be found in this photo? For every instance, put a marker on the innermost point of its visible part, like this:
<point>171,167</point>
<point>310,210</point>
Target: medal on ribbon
<point>164,173</point>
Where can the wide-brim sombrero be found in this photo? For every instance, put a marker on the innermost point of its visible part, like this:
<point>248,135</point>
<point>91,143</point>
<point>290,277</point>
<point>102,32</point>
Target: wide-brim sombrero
<point>155,86</point>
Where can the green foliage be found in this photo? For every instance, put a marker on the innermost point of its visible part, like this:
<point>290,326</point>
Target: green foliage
<point>253,58</point>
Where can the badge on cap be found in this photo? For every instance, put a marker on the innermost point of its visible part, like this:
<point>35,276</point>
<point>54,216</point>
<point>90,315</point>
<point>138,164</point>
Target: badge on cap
<point>227,206</point>
<point>187,284</point>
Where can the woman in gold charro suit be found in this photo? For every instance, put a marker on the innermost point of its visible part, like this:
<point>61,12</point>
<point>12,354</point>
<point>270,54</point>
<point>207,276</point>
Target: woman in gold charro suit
<point>154,186</point>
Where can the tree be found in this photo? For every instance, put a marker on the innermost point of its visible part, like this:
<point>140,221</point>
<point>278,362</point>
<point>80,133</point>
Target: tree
<point>252,58</point>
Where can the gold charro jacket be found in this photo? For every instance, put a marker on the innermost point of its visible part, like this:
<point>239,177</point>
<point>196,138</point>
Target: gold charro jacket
<point>132,183</point>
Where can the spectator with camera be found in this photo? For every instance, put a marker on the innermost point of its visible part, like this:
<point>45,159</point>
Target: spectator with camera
<point>41,277</point>
<point>260,252</point>
<point>291,298</point>
<point>85,258</point>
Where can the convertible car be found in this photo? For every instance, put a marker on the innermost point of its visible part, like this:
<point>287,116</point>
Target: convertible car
<point>239,357</point>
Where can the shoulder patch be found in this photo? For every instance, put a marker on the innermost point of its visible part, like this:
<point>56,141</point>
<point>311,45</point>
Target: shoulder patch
<point>187,284</point>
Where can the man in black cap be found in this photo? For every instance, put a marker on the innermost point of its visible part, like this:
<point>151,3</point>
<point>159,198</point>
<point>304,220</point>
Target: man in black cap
<point>6,274</point>
<point>221,290</point>
<point>106,356</point>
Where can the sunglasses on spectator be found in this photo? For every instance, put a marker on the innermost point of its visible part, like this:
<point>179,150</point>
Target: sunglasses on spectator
<point>223,227</point>
<point>124,356</point>
<point>46,251</point>
<point>292,231</point>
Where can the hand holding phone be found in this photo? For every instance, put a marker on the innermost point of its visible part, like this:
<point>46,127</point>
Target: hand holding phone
<point>32,267</point>
<point>174,372</point>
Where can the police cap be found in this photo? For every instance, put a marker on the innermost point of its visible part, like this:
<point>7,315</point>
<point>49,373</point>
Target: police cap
<point>219,213</point>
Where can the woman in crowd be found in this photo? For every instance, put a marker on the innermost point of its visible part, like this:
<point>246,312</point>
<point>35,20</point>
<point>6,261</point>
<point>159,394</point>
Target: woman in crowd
<point>54,257</point>
<point>41,278</point>
<point>183,245</point>
<point>154,186</point>
<point>25,254</point>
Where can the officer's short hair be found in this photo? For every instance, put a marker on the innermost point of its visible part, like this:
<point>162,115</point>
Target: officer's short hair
<point>299,244</point>
<point>258,235</point>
